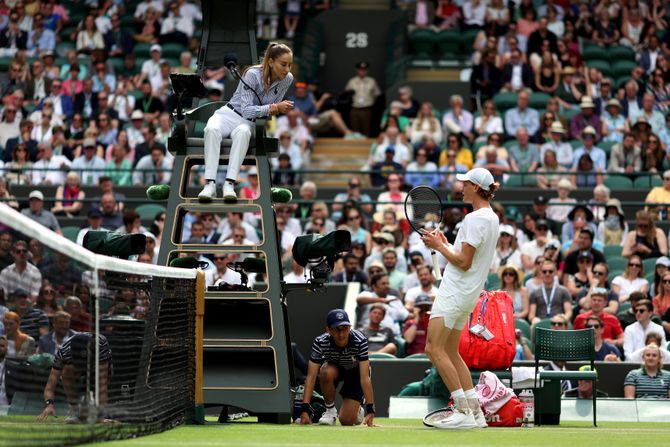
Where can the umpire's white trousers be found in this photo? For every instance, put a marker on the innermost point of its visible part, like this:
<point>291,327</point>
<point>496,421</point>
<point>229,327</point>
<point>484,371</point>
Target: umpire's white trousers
<point>226,123</point>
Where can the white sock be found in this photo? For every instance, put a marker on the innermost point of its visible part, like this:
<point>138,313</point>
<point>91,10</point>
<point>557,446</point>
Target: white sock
<point>330,406</point>
<point>456,394</point>
<point>471,394</point>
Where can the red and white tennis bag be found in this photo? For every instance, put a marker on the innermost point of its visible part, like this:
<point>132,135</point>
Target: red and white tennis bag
<point>500,405</point>
<point>488,340</point>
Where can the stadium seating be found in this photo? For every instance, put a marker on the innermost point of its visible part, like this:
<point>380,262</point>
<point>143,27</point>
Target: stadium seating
<point>524,326</point>
<point>149,210</point>
<point>647,182</point>
<point>618,182</point>
<point>70,232</point>
<point>612,251</point>
<point>617,263</point>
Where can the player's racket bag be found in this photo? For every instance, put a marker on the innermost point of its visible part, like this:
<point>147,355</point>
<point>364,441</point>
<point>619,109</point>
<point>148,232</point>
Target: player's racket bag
<point>487,340</point>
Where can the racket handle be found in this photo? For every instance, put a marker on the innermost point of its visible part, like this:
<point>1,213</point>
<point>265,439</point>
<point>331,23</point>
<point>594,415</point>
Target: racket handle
<point>436,266</point>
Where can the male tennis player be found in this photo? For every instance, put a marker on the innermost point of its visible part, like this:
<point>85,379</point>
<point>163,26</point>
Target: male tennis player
<point>75,358</point>
<point>469,260</point>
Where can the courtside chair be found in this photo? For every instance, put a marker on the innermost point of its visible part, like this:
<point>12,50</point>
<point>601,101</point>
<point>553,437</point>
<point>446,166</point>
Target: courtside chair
<point>568,346</point>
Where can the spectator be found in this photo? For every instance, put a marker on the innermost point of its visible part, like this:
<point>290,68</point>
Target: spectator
<point>497,166</point>
<point>380,339</point>
<point>111,215</point>
<point>614,124</point>
<point>661,301</point>
<point>380,288</point>
<point>599,279</point>
<point>3,355</point>
<point>315,114</point>
<point>62,273</point>
<point>89,166</point>
<point>632,100</point>
<point>425,287</point>
<point>153,169</point>
<point>63,105</point>
<point>415,329</point>
<point>150,106</point>
<point>51,342</point>
<point>37,213</point>
<point>221,274</point>
<point>422,171</point>
<point>23,344</point>
<point>39,85</point>
<point>524,155</point>
<point>395,118</point>
<point>488,122</point>
<point>654,154</point>
<point>584,388</point>
<point>34,322</point>
<point>409,107</point>
<point>13,38</point>
<point>655,118</point>
<point>69,197</point>
<point>119,168</point>
<point>352,273</point>
<point>511,281</point>
<point>661,267</point>
<point>559,207</point>
<point>613,230</point>
<point>352,194</point>
<point>80,320</point>
<point>507,249</point>
<point>580,279</point>
<point>94,218</point>
<point>10,125</point>
<point>652,338</point>
<point>132,224</point>
<point>353,220</point>
<point>293,124</point>
<point>450,167</point>
<point>531,249</point>
<point>365,92</point>
<point>392,194</point>
<point>522,116</point>
<point>631,280</point>
<point>89,38</point>
<point>551,299</point>
<point>611,328</point>
<point>632,28</point>
<point>647,241</point>
<point>635,334</point>
<point>664,135</point>
<point>517,74</point>
<point>626,156</point>
<point>486,79</point>
<point>86,101</point>
<point>458,120</point>
<point>50,168</point>
<point>425,126</point>
<point>605,33</point>
<point>650,381</point>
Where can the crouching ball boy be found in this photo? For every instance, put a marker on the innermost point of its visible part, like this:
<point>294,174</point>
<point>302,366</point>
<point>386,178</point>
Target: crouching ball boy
<point>340,355</point>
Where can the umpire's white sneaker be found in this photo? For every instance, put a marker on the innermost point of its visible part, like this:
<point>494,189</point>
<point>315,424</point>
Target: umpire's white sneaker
<point>208,192</point>
<point>457,420</point>
<point>329,417</point>
<point>229,192</point>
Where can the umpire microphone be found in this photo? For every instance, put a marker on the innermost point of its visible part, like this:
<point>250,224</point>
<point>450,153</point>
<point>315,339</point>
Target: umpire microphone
<point>251,265</point>
<point>230,62</point>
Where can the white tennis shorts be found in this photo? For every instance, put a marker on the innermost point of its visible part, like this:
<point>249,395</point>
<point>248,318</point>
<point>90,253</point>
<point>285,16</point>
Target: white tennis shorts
<point>454,310</point>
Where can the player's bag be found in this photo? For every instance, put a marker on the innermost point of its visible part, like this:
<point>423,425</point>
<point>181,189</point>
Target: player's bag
<point>487,340</point>
<point>500,405</point>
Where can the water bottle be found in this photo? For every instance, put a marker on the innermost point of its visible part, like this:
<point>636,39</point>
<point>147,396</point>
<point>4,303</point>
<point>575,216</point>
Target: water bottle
<point>528,404</point>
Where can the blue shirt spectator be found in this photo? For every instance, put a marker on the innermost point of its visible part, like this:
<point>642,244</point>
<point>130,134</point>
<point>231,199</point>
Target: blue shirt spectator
<point>522,116</point>
<point>598,156</point>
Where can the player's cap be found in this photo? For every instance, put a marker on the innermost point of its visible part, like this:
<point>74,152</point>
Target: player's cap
<point>137,115</point>
<point>337,318</point>
<point>36,195</point>
<point>479,176</point>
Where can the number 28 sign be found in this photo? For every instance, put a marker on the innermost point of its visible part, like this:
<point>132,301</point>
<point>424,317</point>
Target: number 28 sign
<point>356,40</point>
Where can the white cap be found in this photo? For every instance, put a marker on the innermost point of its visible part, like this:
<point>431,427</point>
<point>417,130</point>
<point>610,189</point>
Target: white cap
<point>507,229</point>
<point>479,176</point>
<point>36,195</point>
<point>663,260</point>
<point>252,171</point>
<point>137,115</point>
<point>155,47</point>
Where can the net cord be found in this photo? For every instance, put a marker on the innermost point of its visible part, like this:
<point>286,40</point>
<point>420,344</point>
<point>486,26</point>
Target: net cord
<point>29,227</point>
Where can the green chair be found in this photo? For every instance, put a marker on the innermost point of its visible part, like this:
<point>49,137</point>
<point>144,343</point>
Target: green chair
<point>601,65</point>
<point>618,182</point>
<point>544,324</point>
<point>493,281</point>
<point>621,68</point>
<point>607,147</point>
<point>467,40</point>
<point>519,181</point>
<point>612,251</point>
<point>505,101</point>
<point>576,144</point>
<point>538,100</point>
<point>647,182</point>
<point>142,49</point>
<point>448,43</point>
<point>71,232</point>
<point>529,344</point>
<point>569,113</point>
<point>623,308</point>
<point>620,53</point>
<point>621,80</point>
<point>173,50</point>
<point>382,355</point>
<point>401,346</point>
<point>593,52</point>
<point>650,276</point>
<point>616,263</point>
<point>148,211</point>
<point>524,326</point>
<point>568,346</point>
<point>420,355</point>
<point>422,42</point>
<point>649,266</point>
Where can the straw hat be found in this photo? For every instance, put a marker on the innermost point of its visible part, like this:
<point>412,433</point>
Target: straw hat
<point>379,215</point>
<point>589,130</point>
<point>557,127</point>
<point>504,268</point>
<point>587,103</point>
<point>613,103</point>
<point>568,70</point>
<point>565,184</point>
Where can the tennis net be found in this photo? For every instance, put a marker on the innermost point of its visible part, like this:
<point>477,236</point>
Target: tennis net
<point>58,298</point>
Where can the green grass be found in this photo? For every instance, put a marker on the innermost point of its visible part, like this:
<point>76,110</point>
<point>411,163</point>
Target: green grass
<point>403,432</point>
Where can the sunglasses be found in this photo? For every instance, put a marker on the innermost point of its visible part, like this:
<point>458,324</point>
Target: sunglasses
<point>666,281</point>
<point>593,326</point>
<point>630,264</point>
<point>548,272</point>
<point>509,274</point>
<point>643,225</point>
<point>557,323</point>
<point>20,251</point>
<point>354,185</point>
<point>599,273</point>
<point>351,218</point>
<point>641,310</point>
<point>219,259</point>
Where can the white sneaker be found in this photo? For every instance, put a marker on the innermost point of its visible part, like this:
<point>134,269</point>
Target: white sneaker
<point>73,416</point>
<point>329,417</point>
<point>477,413</point>
<point>457,420</point>
<point>229,194</point>
<point>434,416</point>
<point>208,192</point>
<point>360,417</point>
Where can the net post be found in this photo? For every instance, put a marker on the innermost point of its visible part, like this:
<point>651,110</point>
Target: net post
<point>96,294</point>
<point>199,407</point>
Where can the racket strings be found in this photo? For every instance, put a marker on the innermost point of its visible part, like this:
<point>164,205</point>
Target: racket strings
<point>424,209</point>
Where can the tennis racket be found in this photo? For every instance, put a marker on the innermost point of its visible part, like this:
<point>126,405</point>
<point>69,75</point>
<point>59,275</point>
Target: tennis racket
<point>423,209</point>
